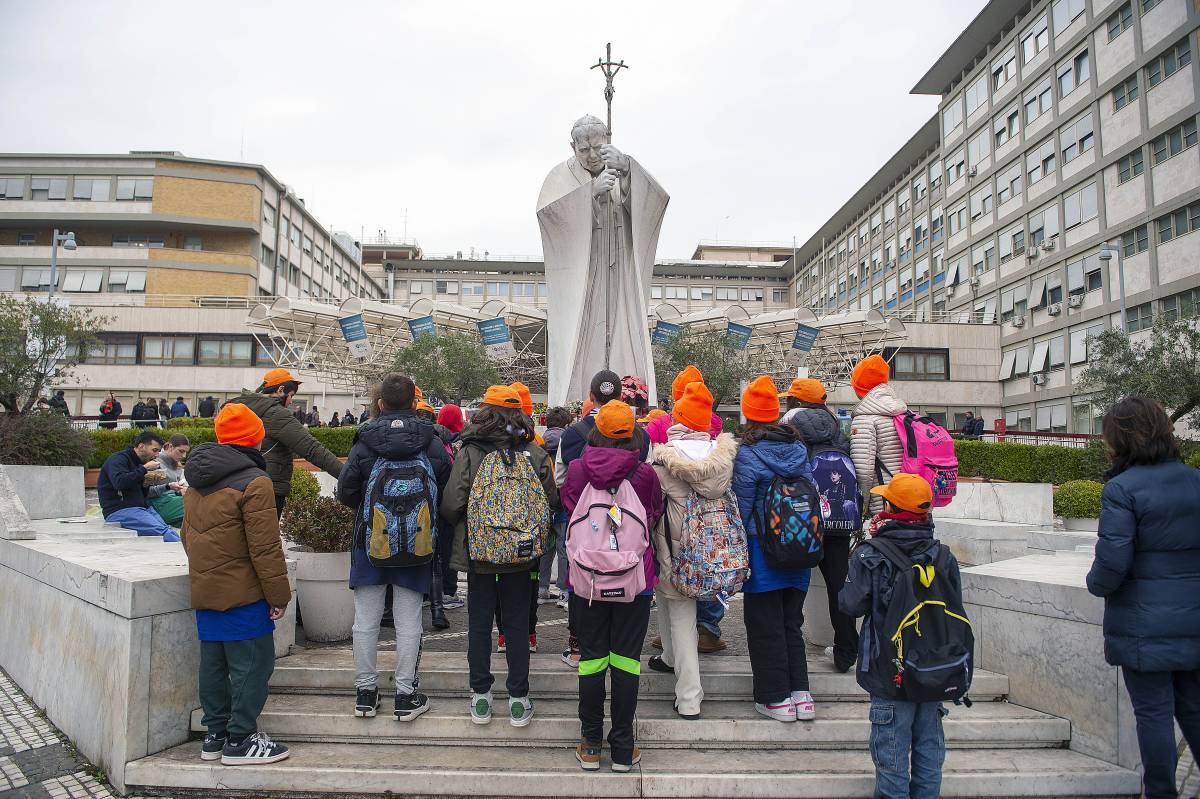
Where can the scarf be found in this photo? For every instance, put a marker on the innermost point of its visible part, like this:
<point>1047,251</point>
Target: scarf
<point>880,520</point>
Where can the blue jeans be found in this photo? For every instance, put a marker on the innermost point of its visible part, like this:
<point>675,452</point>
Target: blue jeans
<point>904,732</point>
<point>709,614</point>
<point>143,521</point>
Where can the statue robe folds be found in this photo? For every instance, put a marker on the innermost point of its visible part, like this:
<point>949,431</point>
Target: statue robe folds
<point>578,244</point>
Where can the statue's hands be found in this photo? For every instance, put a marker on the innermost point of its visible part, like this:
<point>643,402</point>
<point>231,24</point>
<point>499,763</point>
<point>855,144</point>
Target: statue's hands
<point>614,159</point>
<point>604,182</point>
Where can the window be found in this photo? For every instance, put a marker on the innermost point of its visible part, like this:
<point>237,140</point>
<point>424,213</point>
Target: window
<point>1077,138</point>
<point>958,219</point>
<point>1135,241</point>
<point>131,280</point>
<point>1008,182</point>
<point>1082,342</point>
<point>1014,302</point>
<point>284,227</point>
<point>702,293</point>
<point>1012,243</point>
<point>48,188</point>
<point>1148,4</point>
<point>656,292</point>
<point>307,245</point>
<point>935,177</point>
<point>1065,12</point>
<point>778,295</point>
<point>1040,161</point>
<point>1035,39</point>
<point>524,290</point>
<point>1006,127</point>
<point>1039,100</point>
<point>1184,305</point>
<point>135,188</point>
<point>752,295</point>
<point>446,286</point>
<point>918,193</point>
<point>193,243</point>
<point>1079,206</point>
<point>955,167</point>
<point>922,236</point>
<point>1139,317</point>
<point>294,234</point>
<point>889,212</point>
<point>137,240</point>
<point>727,294</point>
<point>980,146</point>
<point>1052,418</point>
<point>224,352</point>
<point>1085,275</point>
<point>675,292</point>
<point>1073,73</point>
<point>269,214</point>
<point>95,189</point>
<point>981,202</point>
<point>82,280</point>
<point>472,289</point>
<point>1043,225</point>
<point>168,350</point>
<point>1120,21</point>
<point>12,188</point>
<point>1125,92</point>
<point>423,287</point>
<point>1058,352</point>
<point>268,256</point>
<point>1054,289</point>
<point>1173,142</point>
<point>114,349</point>
<point>876,222</point>
<point>1179,223</point>
<point>918,364</point>
<point>977,95</point>
<point>1167,64</point>
<point>983,259</point>
<point>1004,69</point>
<point>935,226</point>
<point>952,117</point>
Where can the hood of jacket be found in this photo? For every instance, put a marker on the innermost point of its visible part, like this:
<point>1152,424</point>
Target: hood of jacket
<point>880,401</point>
<point>781,455</point>
<point>396,435</point>
<point>708,475</point>
<point>910,536</point>
<point>606,467</point>
<point>815,424</point>
<point>471,435</point>
<point>209,464</point>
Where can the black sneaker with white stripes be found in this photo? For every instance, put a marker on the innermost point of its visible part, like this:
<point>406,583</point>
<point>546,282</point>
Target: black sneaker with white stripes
<point>212,746</point>
<point>367,703</point>
<point>409,706</point>
<point>256,748</point>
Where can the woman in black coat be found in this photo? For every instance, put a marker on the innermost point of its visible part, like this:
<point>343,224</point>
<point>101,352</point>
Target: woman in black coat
<point>1147,568</point>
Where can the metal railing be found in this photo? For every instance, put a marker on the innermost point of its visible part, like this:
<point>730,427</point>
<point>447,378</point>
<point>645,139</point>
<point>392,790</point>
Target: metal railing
<point>1035,437</point>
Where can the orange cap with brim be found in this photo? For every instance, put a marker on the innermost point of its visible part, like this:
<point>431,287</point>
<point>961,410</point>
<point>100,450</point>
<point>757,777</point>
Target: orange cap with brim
<point>502,397</point>
<point>615,420</point>
<point>237,424</point>
<point>425,406</point>
<point>806,389</point>
<point>690,374</point>
<point>417,394</point>
<point>277,377</point>
<point>760,400</point>
<point>526,398</point>
<point>909,492</point>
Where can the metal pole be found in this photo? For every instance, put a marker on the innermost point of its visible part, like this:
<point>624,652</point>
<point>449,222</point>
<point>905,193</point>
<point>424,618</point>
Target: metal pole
<point>53,262</point>
<point>1121,284</point>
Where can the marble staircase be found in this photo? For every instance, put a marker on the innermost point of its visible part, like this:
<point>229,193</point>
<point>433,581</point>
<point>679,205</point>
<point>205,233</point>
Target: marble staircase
<point>996,749</point>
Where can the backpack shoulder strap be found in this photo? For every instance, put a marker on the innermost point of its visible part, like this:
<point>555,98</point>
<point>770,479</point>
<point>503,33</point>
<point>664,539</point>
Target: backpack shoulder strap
<point>891,553</point>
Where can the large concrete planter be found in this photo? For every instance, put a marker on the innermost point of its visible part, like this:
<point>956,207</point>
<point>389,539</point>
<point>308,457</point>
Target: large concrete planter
<point>1082,525</point>
<point>49,492</point>
<point>322,590</point>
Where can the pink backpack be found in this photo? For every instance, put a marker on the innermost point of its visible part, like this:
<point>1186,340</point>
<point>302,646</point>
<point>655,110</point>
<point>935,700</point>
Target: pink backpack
<point>926,449</point>
<point>607,538</point>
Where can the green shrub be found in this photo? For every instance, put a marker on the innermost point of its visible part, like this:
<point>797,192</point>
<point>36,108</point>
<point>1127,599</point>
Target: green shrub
<point>40,438</point>
<point>336,439</point>
<point>109,441</point>
<point>1194,460</point>
<point>318,524</point>
<point>1029,463</point>
<point>304,484</point>
<point>190,421</point>
<point>1078,499</point>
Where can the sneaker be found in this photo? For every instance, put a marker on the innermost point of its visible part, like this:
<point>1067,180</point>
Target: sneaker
<point>520,711</point>
<point>533,642</point>
<point>452,603</point>
<point>562,602</point>
<point>212,746</point>
<point>588,755</point>
<point>257,748</point>
<point>658,664</point>
<point>634,759</point>
<point>803,702</point>
<point>500,643</point>
<point>571,658</point>
<point>409,706</point>
<point>657,642</point>
<point>707,643</point>
<point>780,711</point>
<point>367,703</point>
<point>547,598</point>
<point>481,708</point>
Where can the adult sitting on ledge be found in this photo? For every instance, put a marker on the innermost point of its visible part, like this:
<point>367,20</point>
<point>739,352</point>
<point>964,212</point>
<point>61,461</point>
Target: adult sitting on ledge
<point>122,487</point>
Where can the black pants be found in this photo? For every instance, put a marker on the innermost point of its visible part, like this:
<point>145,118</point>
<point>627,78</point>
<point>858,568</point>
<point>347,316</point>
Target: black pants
<point>610,639</point>
<point>533,605</point>
<point>1160,698</point>
<point>776,641</point>
<point>445,548</point>
<point>486,593</point>
<point>280,499</point>
<point>233,683</point>
<point>834,567</point>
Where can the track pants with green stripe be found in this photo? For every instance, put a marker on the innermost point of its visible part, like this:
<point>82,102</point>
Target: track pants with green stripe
<point>610,640</point>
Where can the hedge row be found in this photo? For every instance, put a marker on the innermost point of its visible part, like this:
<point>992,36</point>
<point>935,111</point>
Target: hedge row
<point>1030,463</point>
<point>336,439</point>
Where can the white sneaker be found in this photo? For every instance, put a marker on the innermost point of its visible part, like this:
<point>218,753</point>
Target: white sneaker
<point>803,702</point>
<point>781,711</point>
<point>481,708</point>
<point>829,652</point>
<point>562,601</point>
<point>520,711</point>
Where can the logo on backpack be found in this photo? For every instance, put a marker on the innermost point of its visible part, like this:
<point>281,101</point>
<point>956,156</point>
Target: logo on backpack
<point>837,485</point>
<point>712,556</point>
<point>399,513</point>
<point>508,517</point>
<point>790,533</point>
<point>607,538</point>
<point>927,450</point>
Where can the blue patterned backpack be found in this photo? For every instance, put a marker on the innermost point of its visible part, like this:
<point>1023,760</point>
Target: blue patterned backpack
<point>400,513</point>
<point>712,556</point>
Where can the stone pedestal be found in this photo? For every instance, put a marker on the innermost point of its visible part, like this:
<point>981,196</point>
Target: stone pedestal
<point>49,492</point>
<point>1030,504</point>
<point>14,519</point>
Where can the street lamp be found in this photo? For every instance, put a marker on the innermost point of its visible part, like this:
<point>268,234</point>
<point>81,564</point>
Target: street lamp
<point>67,240</point>
<point>1106,254</point>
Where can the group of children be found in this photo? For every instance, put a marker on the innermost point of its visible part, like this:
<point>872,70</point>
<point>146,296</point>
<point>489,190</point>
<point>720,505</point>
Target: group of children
<point>621,510</point>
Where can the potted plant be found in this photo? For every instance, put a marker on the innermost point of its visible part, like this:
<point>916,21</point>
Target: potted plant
<point>1078,503</point>
<point>319,530</point>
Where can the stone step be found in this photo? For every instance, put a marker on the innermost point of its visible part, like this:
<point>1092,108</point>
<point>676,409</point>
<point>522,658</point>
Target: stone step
<point>724,724</point>
<point>324,768</point>
<point>724,677</point>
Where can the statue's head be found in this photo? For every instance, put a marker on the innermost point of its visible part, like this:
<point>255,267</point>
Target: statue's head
<point>587,136</point>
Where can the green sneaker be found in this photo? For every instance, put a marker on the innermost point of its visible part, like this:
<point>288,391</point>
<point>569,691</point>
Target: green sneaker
<point>520,711</point>
<point>481,708</point>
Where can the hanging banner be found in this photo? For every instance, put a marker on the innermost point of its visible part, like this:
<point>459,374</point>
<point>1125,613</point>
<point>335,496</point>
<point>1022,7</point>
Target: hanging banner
<point>805,338</point>
<point>355,333</point>
<point>422,326</point>
<point>739,335</point>
<point>664,333</point>
<point>496,337</point>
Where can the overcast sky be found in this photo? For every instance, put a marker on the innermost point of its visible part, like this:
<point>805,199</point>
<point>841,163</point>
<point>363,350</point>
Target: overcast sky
<point>760,119</point>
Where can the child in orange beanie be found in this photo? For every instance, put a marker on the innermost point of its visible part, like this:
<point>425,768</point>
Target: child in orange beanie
<point>873,436</point>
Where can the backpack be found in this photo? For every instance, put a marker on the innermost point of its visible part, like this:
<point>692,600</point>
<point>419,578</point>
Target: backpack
<point>399,513</point>
<point>841,499</point>
<point>607,539</point>
<point>925,638</point>
<point>712,556</point>
<point>508,517</point>
<point>790,526</point>
<point>926,449</point>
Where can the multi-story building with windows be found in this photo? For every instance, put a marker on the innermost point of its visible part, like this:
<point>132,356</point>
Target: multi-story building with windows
<point>1065,127</point>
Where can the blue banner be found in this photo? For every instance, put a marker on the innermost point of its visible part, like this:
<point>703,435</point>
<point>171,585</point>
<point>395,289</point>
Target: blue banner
<point>664,332</point>
<point>739,335</point>
<point>805,338</point>
<point>494,331</point>
<point>355,333</point>
<point>422,326</point>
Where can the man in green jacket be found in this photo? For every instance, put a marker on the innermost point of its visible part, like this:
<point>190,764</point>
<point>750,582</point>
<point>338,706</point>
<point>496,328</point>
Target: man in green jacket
<point>286,438</point>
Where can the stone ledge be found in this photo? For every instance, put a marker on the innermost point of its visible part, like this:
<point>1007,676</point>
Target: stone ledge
<point>1018,503</point>
<point>1044,585</point>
